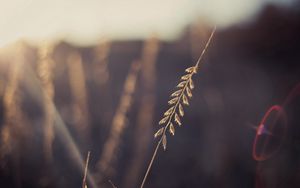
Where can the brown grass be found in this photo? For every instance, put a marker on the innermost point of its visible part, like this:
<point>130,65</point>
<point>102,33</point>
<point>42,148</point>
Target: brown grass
<point>80,114</point>
<point>13,132</point>
<point>100,65</point>
<point>45,72</point>
<point>100,77</point>
<point>11,100</point>
<point>146,112</point>
<point>105,164</point>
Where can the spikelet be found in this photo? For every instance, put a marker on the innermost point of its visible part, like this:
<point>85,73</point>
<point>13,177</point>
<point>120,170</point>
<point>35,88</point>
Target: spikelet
<point>172,129</point>
<point>192,86</point>
<point>176,93</point>
<point>163,120</point>
<point>168,112</point>
<point>181,84</point>
<point>173,101</point>
<point>177,119</point>
<point>190,70</point>
<point>159,132</point>
<point>185,77</point>
<point>185,100</point>
<point>189,92</point>
<point>181,112</point>
<point>164,141</point>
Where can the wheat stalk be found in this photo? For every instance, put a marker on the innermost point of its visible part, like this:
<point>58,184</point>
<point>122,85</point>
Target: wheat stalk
<point>179,98</point>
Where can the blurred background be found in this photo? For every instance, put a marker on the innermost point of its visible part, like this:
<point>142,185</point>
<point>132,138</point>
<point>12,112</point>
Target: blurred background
<point>79,76</point>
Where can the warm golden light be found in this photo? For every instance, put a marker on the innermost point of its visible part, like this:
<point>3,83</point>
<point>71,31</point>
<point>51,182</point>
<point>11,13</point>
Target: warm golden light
<point>84,22</point>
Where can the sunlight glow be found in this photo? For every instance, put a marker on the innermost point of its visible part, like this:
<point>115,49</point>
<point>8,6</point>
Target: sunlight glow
<point>85,22</point>
<point>34,88</point>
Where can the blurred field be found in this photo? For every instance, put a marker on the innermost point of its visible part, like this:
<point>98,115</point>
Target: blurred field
<point>59,101</point>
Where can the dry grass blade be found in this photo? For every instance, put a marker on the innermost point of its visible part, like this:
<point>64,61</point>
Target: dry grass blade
<point>84,184</point>
<point>186,83</point>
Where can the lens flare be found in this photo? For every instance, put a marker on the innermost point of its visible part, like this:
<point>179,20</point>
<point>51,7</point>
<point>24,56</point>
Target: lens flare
<point>265,145</point>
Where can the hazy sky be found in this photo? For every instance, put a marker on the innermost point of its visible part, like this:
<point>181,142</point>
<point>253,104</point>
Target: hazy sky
<point>86,21</point>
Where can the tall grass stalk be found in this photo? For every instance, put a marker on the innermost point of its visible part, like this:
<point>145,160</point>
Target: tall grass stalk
<point>79,105</point>
<point>11,101</point>
<point>13,132</point>
<point>105,164</point>
<point>100,71</point>
<point>173,115</point>
<point>45,72</point>
<point>146,112</point>
<point>101,79</point>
